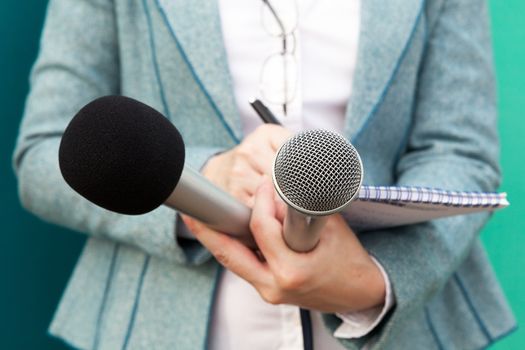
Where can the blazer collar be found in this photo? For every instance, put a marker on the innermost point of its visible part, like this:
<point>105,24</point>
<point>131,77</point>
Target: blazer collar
<point>196,27</point>
<point>387,28</point>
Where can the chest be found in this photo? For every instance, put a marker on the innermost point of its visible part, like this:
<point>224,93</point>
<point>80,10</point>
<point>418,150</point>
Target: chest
<point>174,56</point>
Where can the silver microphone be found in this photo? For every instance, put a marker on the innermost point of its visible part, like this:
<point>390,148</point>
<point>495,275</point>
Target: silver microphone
<point>316,173</point>
<point>197,197</point>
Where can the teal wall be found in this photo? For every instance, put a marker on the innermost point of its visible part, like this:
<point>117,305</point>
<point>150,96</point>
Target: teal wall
<point>36,258</point>
<point>504,237</point>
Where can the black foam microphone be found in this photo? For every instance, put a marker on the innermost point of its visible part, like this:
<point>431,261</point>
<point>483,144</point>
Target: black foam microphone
<point>126,157</point>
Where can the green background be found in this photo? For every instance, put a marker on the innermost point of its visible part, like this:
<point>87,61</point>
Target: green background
<point>37,258</point>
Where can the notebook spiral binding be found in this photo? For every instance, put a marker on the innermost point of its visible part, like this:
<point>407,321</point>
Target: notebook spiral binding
<point>415,194</point>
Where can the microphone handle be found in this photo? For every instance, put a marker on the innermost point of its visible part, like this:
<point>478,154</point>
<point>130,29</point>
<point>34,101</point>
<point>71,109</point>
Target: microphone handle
<point>301,232</point>
<point>197,197</point>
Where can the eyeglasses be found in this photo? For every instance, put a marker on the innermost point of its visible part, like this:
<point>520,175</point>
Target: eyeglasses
<point>279,75</point>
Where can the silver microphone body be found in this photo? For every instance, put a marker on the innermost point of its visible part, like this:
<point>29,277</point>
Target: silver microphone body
<point>197,197</point>
<point>302,232</point>
<point>317,173</point>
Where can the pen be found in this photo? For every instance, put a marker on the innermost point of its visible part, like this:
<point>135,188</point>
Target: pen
<point>263,112</point>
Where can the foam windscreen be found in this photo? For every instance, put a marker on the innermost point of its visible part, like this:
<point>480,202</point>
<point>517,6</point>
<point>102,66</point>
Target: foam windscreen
<point>122,155</point>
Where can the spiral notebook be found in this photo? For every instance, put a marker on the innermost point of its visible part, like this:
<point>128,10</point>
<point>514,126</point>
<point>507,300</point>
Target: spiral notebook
<point>383,206</point>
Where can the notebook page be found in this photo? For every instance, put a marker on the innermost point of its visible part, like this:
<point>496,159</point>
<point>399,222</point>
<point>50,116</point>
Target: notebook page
<point>380,207</point>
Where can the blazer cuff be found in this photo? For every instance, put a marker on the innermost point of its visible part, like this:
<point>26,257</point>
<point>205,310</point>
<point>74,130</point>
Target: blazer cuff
<point>357,324</point>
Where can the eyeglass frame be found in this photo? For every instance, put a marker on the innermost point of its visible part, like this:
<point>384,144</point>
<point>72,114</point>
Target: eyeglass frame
<point>284,52</point>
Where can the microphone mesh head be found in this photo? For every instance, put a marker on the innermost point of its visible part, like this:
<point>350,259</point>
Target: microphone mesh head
<point>317,172</point>
<point>121,155</point>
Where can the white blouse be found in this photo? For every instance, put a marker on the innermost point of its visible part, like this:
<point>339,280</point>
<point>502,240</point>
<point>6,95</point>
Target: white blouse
<point>327,34</point>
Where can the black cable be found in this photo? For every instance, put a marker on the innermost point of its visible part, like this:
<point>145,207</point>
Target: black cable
<point>306,324</point>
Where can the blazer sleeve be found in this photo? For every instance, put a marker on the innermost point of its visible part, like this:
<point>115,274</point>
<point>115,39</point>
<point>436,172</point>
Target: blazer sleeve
<point>453,144</point>
<point>78,62</point>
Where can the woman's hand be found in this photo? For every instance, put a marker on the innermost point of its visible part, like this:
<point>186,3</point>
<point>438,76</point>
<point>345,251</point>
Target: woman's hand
<point>337,276</point>
<point>239,171</point>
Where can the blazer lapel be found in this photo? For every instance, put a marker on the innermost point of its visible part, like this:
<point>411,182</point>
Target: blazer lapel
<point>386,31</point>
<point>196,27</point>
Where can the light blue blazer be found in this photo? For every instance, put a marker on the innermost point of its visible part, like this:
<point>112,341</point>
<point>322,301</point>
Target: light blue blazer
<point>422,113</point>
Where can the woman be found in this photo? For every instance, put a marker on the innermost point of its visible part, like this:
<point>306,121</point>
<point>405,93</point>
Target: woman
<point>409,82</point>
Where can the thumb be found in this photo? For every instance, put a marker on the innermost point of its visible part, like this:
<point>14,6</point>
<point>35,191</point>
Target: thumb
<point>264,224</point>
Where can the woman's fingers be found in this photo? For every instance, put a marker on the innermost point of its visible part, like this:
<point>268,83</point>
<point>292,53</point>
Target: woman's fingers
<point>265,227</point>
<point>260,147</point>
<point>258,155</point>
<point>230,253</point>
<point>243,181</point>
